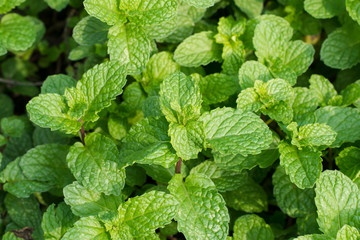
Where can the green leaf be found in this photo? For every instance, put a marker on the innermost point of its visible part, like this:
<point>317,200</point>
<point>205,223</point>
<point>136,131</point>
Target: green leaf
<point>144,214</point>
<point>159,66</point>
<point>142,12</point>
<point>49,111</point>
<point>195,219</point>
<point>187,139</point>
<point>180,98</point>
<point>56,222</point>
<point>337,201</point>
<point>18,33</point>
<point>351,94</point>
<point>345,121</point>
<point>87,228</point>
<point>12,126</point>
<point>341,49</point>
<point>107,11</point>
<point>148,143</point>
<point>58,5</point>
<point>232,131</point>
<point>7,5</point>
<point>251,8</point>
<point>198,49</point>
<point>292,200</point>
<point>314,237</point>
<point>85,202</point>
<point>47,163</point>
<point>252,227</point>
<point>10,236</point>
<point>18,184</point>
<point>224,180</point>
<point>248,197</point>
<point>348,161</point>
<point>200,3</point>
<point>217,87</point>
<point>347,233</point>
<point>303,166</point>
<point>90,31</point>
<point>99,86</point>
<point>130,46</point>
<point>57,84</point>
<point>25,212</point>
<point>7,104</point>
<point>322,89</point>
<point>353,7</point>
<point>96,165</point>
<point>251,71</point>
<point>323,8</point>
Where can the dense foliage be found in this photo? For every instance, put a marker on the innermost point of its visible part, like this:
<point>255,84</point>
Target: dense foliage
<point>180,119</point>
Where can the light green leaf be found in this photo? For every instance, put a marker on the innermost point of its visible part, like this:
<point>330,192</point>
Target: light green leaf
<point>248,197</point>
<point>85,202</point>
<point>88,228</point>
<point>142,12</point>
<point>305,102</point>
<point>348,161</point>
<point>90,31</point>
<point>251,71</point>
<point>180,98</point>
<point>322,89</point>
<point>232,131</point>
<point>195,219</point>
<point>303,166</point>
<point>341,49</point>
<point>224,180</point>
<point>58,5</point>
<point>238,162</point>
<point>144,214</point>
<point>159,66</point>
<point>252,227</point>
<point>148,143</point>
<point>353,7</point>
<point>198,49</point>
<point>248,100</point>
<point>105,10</point>
<point>324,8</point>
<point>337,201</point>
<point>3,50</point>
<point>217,87</point>
<point>314,237</point>
<point>96,165</point>
<point>234,56</point>
<point>47,163</point>
<point>18,33</point>
<point>10,236</point>
<point>56,222</point>
<point>347,233</point>
<point>200,3</point>
<point>100,85</point>
<point>187,139</point>
<point>49,111</point>
<point>8,5</point>
<point>130,46</point>
<point>292,200</point>
<point>314,134</point>
<point>345,121</point>
<point>251,8</point>
<point>57,84</point>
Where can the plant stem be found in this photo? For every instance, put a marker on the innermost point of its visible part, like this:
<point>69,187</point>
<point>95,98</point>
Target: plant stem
<point>178,166</point>
<point>14,82</point>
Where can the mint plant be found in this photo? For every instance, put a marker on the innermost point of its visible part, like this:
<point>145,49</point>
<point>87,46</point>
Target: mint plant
<point>179,119</point>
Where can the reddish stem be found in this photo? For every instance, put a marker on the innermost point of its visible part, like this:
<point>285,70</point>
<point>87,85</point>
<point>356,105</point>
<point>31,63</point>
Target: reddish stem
<point>178,166</point>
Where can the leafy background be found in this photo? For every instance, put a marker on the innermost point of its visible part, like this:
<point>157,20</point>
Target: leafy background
<point>179,119</point>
